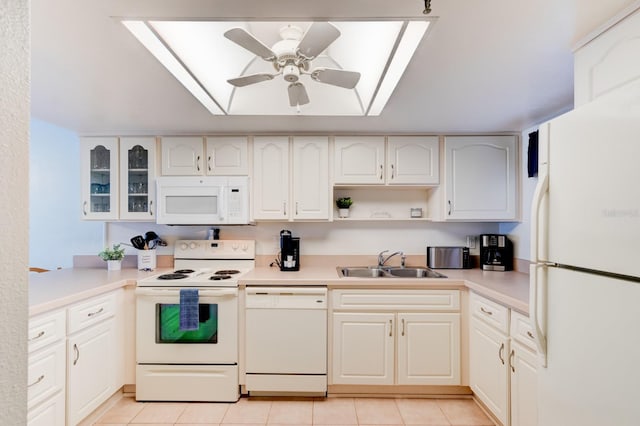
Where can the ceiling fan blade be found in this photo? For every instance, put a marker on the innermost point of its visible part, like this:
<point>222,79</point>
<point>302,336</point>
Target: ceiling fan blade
<point>342,78</point>
<point>250,79</point>
<point>297,94</point>
<point>249,42</point>
<point>317,38</point>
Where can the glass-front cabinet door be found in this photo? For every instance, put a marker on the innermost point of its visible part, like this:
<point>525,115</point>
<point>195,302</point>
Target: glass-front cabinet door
<point>99,178</point>
<point>137,178</point>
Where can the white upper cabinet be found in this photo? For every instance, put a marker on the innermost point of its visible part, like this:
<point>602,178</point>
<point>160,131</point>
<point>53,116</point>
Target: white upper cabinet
<point>99,174</point>
<point>271,178</point>
<point>481,178</point>
<point>227,156</point>
<point>182,156</point>
<point>137,178</point>
<point>303,193</point>
<point>413,160</point>
<point>359,160</point>
<point>186,156</point>
<point>310,179</point>
<point>609,60</point>
<point>402,160</point>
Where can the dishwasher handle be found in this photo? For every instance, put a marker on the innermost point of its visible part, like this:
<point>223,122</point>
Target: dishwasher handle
<point>286,291</point>
<point>286,298</point>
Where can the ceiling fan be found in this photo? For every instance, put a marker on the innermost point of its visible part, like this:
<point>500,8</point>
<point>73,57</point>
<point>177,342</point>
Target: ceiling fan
<point>292,56</point>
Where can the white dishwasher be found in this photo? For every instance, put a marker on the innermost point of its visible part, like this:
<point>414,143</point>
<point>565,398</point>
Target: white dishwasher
<point>286,340</point>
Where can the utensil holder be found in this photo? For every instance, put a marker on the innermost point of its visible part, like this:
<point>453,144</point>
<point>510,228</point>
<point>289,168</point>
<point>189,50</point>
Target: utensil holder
<point>146,260</point>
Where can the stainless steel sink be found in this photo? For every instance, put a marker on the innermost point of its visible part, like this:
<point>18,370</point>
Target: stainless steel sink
<point>387,272</point>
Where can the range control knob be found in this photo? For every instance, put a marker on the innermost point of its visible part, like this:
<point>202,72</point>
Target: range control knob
<point>183,246</point>
<point>192,245</point>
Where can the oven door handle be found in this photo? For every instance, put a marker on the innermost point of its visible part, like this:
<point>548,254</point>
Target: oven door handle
<point>210,292</point>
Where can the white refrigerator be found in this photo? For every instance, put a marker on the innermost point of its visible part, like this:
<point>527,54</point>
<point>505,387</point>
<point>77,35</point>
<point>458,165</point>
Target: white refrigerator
<point>585,276</point>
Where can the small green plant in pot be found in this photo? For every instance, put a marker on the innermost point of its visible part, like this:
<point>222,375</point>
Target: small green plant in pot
<point>343,204</point>
<point>113,256</point>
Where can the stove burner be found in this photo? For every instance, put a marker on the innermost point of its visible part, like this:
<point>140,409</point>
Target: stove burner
<point>227,272</point>
<point>184,271</point>
<point>174,276</point>
<point>219,277</point>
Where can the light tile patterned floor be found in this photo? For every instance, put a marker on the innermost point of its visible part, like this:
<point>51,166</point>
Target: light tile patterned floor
<point>320,412</point>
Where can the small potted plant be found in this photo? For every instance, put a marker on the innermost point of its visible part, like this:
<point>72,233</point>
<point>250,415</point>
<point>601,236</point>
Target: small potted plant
<point>343,204</point>
<point>113,256</point>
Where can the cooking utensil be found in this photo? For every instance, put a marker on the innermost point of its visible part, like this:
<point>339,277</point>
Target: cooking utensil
<point>138,242</point>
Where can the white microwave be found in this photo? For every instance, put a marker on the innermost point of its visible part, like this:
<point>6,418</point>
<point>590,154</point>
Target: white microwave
<point>202,200</point>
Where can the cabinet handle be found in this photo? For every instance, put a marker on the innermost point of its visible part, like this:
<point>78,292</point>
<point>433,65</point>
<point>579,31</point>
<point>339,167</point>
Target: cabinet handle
<point>37,336</point>
<point>99,311</point>
<point>209,163</point>
<point>84,208</point>
<point>296,208</point>
<point>392,172</point>
<point>284,208</point>
<point>501,353</point>
<point>381,171</point>
<point>484,311</point>
<point>390,328</point>
<point>38,380</point>
<point>449,202</point>
<point>511,355</point>
<point>151,207</point>
<point>403,326</point>
<point>198,163</point>
<point>530,335</point>
<point>77,351</point>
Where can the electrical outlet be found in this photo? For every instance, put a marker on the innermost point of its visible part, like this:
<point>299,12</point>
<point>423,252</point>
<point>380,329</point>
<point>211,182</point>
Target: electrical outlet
<point>472,241</point>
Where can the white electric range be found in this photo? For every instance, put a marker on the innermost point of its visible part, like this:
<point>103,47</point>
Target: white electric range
<point>174,364</point>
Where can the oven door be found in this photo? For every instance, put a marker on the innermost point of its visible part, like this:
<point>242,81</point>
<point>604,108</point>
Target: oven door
<point>159,339</point>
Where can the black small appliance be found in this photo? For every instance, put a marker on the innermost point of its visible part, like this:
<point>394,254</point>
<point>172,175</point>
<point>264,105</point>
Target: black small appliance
<point>496,252</point>
<point>289,251</point>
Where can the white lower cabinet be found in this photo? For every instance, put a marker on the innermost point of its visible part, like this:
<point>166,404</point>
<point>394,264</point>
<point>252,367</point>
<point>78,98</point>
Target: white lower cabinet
<point>46,370</point>
<point>93,354</point>
<point>396,347</point>
<point>488,371</point>
<point>503,362</point>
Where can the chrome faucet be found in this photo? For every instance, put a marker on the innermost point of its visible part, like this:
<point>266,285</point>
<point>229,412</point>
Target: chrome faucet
<point>382,260</point>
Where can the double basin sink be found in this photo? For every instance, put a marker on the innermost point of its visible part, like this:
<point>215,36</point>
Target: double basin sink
<point>387,272</point>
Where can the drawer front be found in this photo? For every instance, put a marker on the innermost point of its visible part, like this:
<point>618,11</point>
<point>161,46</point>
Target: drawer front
<point>490,312</point>
<point>91,312</point>
<point>46,373</point>
<point>46,329</point>
<point>405,300</point>
<point>521,330</point>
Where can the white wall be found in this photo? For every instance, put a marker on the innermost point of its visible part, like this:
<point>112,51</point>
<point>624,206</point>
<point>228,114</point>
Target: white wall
<point>14,175</point>
<point>319,238</point>
<point>56,232</point>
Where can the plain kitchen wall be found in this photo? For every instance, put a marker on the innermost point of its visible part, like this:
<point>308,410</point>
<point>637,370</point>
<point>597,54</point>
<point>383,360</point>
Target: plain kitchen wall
<point>56,231</point>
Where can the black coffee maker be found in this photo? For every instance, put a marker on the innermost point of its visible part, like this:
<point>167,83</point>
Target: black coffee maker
<point>289,251</point>
<point>496,252</point>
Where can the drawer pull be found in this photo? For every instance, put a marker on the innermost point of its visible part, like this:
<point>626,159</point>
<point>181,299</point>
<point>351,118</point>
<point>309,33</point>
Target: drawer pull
<point>530,334</point>
<point>500,353</point>
<point>37,336</point>
<point>513,369</point>
<point>38,380</point>
<point>99,311</point>
<point>484,311</point>
<point>77,351</point>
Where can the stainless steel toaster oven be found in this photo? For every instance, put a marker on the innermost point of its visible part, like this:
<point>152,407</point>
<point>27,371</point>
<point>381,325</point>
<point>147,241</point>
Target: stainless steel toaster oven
<point>448,258</point>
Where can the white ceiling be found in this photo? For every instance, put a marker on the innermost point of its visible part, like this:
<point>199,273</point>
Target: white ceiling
<point>487,65</point>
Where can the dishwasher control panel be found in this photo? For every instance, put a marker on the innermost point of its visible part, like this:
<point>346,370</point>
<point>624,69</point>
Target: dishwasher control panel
<point>286,298</point>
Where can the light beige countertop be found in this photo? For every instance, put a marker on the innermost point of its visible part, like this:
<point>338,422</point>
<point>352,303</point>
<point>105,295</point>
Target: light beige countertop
<point>509,288</point>
<point>58,288</point>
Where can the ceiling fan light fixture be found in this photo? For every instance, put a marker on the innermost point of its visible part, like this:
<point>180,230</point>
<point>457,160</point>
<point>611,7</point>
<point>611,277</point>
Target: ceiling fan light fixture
<point>291,73</point>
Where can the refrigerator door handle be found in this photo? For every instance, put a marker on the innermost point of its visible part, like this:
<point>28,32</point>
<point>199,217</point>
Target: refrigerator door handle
<point>538,334</point>
<point>538,236</point>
